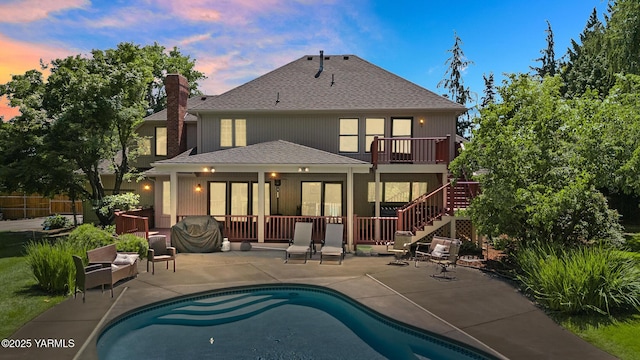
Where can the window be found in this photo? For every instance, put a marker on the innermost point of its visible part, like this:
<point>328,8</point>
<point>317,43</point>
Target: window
<point>237,198</point>
<point>401,127</point>
<point>166,198</point>
<point>373,127</point>
<point>233,132</point>
<point>311,198</point>
<point>348,135</point>
<point>321,199</point>
<point>144,146</point>
<point>161,141</point>
<point>333,199</point>
<point>398,192</point>
<point>267,199</point>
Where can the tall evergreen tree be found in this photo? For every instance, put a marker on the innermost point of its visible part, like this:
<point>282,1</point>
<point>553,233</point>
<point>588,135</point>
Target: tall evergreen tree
<point>548,61</point>
<point>489,92</point>
<point>587,63</point>
<point>623,37</point>
<point>453,82</point>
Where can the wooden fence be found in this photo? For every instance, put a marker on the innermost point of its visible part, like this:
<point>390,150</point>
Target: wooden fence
<point>20,206</point>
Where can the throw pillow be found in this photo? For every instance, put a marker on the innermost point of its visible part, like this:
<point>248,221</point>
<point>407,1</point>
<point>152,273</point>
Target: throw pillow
<point>124,259</point>
<point>439,250</point>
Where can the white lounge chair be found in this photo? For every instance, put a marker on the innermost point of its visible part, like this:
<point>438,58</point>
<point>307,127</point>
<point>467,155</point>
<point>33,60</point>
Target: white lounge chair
<point>301,242</point>
<point>333,244</point>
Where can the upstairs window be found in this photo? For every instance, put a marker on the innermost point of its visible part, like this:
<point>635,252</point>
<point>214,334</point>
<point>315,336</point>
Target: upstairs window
<point>161,141</point>
<point>373,127</point>
<point>348,135</point>
<point>233,132</point>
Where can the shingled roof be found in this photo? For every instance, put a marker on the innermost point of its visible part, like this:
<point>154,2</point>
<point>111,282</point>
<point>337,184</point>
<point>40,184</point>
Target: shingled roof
<point>347,82</point>
<point>273,152</point>
<point>193,101</point>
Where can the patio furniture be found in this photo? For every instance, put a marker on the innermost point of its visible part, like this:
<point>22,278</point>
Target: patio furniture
<point>401,245</point>
<point>159,251</point>
<point>333,244</point>
<point>301,242</point>
<point>441,251</point>
<point>90,277</point>
<point>122,264</point>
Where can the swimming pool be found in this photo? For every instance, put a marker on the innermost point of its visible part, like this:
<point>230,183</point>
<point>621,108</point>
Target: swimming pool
<point>282,321</point>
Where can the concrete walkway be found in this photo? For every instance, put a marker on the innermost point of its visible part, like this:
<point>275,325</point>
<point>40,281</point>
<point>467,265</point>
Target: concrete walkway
<point>475,307</point>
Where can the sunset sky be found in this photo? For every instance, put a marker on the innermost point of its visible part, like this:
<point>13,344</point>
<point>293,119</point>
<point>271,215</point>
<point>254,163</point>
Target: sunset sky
<point>234,41</point>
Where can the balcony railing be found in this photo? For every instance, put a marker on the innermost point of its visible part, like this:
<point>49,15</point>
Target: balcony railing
<point>432,150</point>
<point>132,224</point>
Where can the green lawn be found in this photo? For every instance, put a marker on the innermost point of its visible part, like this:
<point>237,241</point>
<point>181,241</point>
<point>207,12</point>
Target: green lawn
<point>20,298</point>
<point>617,336</point>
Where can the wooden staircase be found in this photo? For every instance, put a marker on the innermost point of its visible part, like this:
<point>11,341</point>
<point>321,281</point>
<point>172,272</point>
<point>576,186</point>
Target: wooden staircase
<point>431,211</point>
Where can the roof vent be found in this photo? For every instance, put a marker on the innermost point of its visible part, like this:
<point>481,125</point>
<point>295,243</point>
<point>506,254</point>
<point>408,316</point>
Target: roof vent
<point>309,57</point>
<point>321,64</point>
<point>327,57</point>
<point>346,57</point>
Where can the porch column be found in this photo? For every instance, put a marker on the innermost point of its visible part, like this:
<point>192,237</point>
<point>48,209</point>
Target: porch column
<point>350,210</point>
<point>173,195</point>
<point>378,195</point>
<point>260,206</point>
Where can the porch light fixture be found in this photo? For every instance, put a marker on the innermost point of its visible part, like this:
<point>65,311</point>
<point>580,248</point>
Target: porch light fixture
<point>421,121</point>
<point>209,169</point>
<point>147,187</point>
<point>198,188</point>
<point>303,169</point>
<point>273,175</point>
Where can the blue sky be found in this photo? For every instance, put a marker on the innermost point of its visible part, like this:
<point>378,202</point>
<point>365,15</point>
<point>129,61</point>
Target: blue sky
<point>234,41</point>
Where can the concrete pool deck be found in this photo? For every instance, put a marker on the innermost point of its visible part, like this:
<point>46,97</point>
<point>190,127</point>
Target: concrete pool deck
<point>475,307</point>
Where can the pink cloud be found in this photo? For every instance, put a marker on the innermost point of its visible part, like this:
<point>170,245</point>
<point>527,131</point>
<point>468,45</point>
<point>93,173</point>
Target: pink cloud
<point>126,17</point>
<point>17,57</point>
<point>194,39</point>
<point>236,12</point>
<point>25,11</point>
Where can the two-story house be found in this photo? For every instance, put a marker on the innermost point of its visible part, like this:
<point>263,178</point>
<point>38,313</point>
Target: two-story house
<point>329,138</point>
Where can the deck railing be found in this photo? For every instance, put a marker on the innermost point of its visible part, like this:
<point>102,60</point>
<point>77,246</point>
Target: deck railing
<point>431,150</point>
<point>364,230</point>
<point>423,210</point>
<point>132,224</point>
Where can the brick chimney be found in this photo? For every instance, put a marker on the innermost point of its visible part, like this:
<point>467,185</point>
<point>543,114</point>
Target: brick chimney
<point>177,89</point>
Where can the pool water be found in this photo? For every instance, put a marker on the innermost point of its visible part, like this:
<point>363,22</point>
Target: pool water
<point>270,322</point>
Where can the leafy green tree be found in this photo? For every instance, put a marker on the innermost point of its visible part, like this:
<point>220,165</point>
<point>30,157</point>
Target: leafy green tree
<point>548,61</point>
<point>82,122</point>
<point>533,187</point>
<point>454,83</point>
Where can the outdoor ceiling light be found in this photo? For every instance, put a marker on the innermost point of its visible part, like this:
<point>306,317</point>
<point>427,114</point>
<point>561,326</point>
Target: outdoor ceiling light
<point>209,169</point>
<point>198,188</point>
<point>301,169</point>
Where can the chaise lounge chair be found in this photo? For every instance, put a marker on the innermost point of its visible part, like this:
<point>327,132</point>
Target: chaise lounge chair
<point>333,244</point>
<point>301,243</point>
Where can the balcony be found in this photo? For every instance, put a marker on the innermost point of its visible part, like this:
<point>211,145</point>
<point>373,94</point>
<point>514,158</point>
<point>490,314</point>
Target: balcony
<point>400,150</point>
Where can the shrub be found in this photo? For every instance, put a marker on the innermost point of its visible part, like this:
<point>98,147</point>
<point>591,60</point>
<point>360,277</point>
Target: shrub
<point>122,202</point>
<point>469,248</point>
<point>52,265</point>
<point>633,243</point>
<point>56,222</point>
<point>132,243</point>
<point>87,237</point>
<point>580,280</point>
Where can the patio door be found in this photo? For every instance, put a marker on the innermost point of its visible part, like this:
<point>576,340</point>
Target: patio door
<point>401,149</point>
<point>321,198</point>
